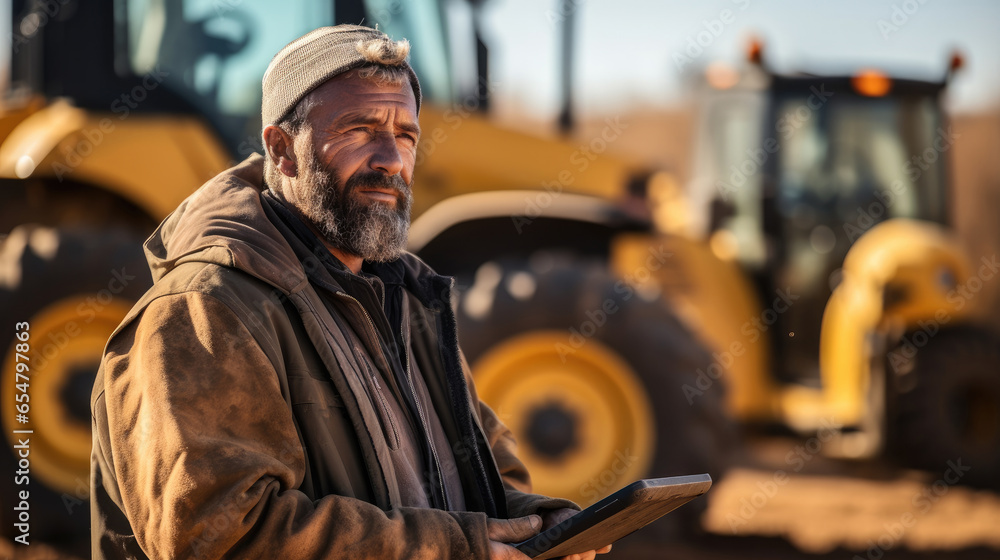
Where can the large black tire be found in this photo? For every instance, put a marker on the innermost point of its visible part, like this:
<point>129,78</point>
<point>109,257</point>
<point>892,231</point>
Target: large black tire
<point>40,266</point>
<point>947,404</point>
<point>692,436</point>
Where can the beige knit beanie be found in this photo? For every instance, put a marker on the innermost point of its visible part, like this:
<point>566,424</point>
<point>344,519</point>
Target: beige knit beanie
<point>307,62</point>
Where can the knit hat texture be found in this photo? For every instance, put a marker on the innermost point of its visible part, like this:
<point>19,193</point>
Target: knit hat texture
<point>309,61</point>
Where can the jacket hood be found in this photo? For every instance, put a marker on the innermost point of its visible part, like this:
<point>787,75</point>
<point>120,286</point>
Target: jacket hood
<point>224,223</point>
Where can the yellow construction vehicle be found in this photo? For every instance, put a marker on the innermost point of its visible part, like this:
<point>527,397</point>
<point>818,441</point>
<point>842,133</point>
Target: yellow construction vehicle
<point>832,193</point>
<point>599,328</point>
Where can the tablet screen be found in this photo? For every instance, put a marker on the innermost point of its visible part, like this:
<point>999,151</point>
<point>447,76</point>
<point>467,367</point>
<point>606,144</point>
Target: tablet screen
<point>616,516</point>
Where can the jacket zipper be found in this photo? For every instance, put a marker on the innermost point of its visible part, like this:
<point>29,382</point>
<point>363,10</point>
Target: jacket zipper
<point>382,402</point>
<point>409,381</point>
<point>423,421</point>
<point>385,408</point>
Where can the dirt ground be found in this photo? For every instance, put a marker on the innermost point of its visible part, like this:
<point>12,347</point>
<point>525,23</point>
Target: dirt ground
<point>785,502</point>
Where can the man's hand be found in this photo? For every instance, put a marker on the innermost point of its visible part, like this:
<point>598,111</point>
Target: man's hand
<point>557,516</point>
<point>502,531</point>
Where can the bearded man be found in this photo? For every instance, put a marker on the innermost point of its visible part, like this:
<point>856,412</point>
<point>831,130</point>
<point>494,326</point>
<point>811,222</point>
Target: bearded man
<point>292,386</point>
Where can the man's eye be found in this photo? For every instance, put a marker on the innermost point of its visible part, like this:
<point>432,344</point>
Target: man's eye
<point>360,130</point>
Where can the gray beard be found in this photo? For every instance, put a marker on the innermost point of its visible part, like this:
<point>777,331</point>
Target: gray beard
<point>368,229</point>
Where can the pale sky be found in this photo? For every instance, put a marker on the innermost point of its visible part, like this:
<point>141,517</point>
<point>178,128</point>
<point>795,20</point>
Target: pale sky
<point>626,48</point>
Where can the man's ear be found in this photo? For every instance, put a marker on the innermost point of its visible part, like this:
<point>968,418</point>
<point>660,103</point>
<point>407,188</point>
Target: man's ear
<point>278,145</point>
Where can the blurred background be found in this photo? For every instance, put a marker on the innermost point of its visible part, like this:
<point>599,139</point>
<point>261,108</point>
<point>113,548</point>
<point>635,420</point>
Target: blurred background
<point>750,238</point>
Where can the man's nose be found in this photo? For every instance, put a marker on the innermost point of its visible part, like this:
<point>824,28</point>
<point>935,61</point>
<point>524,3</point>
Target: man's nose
<point>386,158</point>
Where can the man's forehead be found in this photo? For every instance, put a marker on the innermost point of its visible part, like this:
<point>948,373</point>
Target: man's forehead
<point>351,93</point>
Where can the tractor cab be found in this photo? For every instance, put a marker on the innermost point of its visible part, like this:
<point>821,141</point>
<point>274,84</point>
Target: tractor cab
<point>800,167</point>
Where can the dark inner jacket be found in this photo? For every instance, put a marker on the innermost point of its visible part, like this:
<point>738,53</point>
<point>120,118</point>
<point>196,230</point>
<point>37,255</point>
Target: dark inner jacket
<point>423,445</point>
<point>235,413</point>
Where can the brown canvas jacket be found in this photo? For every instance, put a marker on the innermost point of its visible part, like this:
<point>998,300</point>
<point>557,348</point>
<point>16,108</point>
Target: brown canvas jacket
<point>233,416</point>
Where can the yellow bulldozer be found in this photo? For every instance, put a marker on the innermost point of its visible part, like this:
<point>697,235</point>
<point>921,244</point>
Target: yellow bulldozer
<point>832,193</point>
<point>613,335</point>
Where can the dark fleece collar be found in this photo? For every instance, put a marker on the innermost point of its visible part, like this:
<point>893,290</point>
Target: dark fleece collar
<point>433,291</point>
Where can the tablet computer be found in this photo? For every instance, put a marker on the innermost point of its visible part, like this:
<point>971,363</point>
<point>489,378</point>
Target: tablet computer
<point>616,516</point>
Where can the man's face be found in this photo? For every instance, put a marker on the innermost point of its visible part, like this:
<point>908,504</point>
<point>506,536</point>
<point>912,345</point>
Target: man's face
<point>355,165</point>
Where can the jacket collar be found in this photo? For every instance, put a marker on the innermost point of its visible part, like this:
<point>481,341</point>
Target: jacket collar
<point>224,223</point>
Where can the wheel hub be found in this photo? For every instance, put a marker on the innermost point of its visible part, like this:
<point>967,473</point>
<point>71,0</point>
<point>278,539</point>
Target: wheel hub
<point>552,430</point>
<point>581,414</point>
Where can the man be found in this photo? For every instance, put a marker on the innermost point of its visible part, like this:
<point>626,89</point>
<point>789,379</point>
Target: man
<point>292,386</point>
